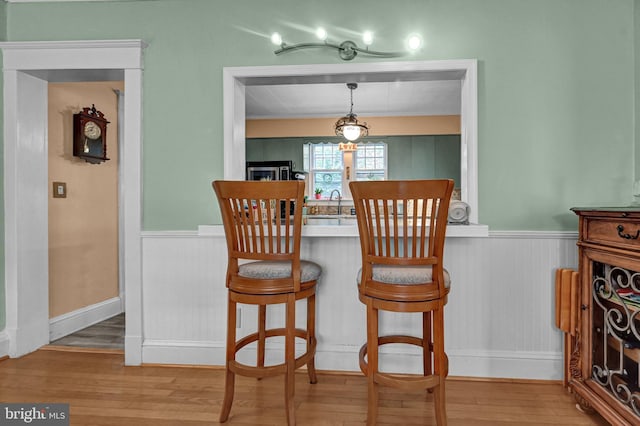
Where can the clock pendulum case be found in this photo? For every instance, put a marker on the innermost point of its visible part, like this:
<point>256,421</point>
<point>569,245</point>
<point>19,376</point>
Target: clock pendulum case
<point>90,135</point>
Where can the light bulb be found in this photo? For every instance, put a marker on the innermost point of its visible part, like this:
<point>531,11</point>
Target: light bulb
<point>367,38</point>
<point>414,42</point>
<point>276,39</point>
<point>351,133</point>
<point>321,33</point>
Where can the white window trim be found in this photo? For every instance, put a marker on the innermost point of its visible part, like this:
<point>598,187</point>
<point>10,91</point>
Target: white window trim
<point>310,186</point>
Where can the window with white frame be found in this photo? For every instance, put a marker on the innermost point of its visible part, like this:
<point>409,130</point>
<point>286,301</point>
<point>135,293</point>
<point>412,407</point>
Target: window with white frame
<point>331,169</point>
<point>371,161</point>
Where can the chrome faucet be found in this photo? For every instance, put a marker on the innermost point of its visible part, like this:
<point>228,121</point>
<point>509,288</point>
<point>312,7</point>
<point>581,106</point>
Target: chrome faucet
<point>339,199</point>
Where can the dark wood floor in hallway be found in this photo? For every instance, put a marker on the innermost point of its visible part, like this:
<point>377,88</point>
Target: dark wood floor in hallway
<point>107,334</point>
<point>102,391</point>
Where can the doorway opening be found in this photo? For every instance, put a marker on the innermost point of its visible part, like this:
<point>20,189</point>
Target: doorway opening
<point>236,80</point>
<point>84,276</point>
<point>27,69</point>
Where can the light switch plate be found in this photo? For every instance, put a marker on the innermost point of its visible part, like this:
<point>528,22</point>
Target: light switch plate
<point>59,190</point>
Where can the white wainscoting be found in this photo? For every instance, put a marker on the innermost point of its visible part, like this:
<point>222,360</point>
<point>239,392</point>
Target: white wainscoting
<point>499,319</point>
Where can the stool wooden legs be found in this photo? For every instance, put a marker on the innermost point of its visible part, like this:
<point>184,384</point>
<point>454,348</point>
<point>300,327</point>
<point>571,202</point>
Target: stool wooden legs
<point>290,360</point>
<point>311,329</point>
<point>440,367</point>
<point>427,348</point>
<point>289,332</point>
<point>435,363</point>
<point>229,379</point>
<point>262,335</point>
<point>372,362</point>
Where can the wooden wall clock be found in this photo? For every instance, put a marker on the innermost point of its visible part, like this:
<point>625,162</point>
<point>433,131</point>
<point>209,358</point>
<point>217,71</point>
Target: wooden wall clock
<point>90,135</point>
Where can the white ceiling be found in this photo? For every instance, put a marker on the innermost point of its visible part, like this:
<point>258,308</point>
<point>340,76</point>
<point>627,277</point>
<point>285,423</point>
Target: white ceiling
<point>430,97</point>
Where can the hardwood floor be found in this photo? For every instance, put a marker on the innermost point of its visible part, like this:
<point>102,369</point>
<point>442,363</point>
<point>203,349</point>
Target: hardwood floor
<point>108,334</point>
<point>101,391</point>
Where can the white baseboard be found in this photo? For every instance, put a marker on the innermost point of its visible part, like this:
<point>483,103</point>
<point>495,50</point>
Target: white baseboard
<point>132,349</point>
<point>513,365</point>
<point>4,343</point>
<point>485,364</point>
<point>508,365</point>
<point>183,352</point>
<point>71,322</point>
<point>30,337</point>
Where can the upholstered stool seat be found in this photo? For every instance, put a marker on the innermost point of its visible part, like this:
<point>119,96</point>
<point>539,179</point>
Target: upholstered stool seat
<point>404,275</point>
<point>402,271</point>
<point>264,268</point>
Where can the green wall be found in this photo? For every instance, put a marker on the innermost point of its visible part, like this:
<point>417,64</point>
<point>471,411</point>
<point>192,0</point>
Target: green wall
<point>273,149</point>
<point>3,20</point>
<point>424,157</point>
<point>555,89</point>
<point>556,122</point>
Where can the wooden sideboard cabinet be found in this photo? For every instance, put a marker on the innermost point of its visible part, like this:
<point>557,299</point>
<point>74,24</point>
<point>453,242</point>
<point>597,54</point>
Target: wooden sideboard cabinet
<point>605,348</point>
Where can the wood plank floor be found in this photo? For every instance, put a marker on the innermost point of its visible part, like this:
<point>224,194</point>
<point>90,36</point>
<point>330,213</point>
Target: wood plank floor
<point>102,391</point>
<point>107,334</point>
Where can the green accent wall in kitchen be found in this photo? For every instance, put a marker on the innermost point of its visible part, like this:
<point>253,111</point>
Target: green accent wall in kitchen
<point>409,157</point>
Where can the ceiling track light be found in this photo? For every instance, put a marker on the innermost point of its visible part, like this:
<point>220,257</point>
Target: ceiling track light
<point>347,50</point>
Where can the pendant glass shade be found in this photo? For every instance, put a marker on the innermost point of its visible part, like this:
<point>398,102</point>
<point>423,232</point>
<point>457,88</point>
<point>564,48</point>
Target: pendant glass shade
<point>348,126</point>
<point>351,133</point>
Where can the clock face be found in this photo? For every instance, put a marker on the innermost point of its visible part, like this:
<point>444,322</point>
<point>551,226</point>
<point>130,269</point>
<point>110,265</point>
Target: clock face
<point>92,130</point>
<point>457,213</point>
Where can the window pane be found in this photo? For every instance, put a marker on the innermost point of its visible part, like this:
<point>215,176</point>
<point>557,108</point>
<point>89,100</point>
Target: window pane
<point>327,157</point>
<point>327,165</point>
<point>371,161</point>
<point>327,181</point>
<point>371,156</point>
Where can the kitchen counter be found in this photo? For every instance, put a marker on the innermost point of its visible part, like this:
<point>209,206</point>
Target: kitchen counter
<point>348,228</point>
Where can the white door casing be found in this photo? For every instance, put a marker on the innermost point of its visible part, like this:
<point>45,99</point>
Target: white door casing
<point>26,69</point>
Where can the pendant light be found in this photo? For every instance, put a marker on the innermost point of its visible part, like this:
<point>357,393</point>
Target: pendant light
<point>348,126</point>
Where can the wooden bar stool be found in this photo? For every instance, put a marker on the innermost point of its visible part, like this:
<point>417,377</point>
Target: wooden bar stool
<point>264,268</point>
<point>402,228</point>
